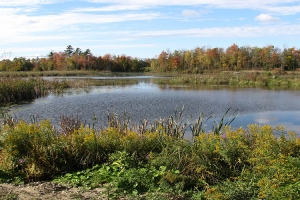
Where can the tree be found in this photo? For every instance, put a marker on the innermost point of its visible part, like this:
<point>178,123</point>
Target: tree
<point>22,64</point>
<point>163,61</point>
<point>107,62</point>
<point>87,52</point>
<point>232,53</point>
<point>69,50</point>
<point>187,59</point>
<point>77,51</point>
<point>6,65</point>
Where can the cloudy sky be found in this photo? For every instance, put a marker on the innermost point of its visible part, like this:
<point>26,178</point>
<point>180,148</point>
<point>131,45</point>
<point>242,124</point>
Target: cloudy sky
<point>143,28</point>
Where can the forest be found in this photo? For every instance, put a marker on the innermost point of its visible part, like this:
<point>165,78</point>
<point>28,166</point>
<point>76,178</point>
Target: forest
<point>233,58</point>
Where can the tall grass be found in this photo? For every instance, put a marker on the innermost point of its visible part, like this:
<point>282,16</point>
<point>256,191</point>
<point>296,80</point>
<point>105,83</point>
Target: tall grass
<point>250,163</point>
<point>15,74</point>
<point>241,79</point>
<point>15,90</point>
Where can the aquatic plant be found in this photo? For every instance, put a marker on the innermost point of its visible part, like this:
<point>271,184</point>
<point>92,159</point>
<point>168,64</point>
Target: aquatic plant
<point>240,79</point>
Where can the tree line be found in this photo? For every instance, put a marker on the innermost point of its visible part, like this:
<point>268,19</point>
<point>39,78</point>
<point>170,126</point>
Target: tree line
<point>194,61</point>
<point>233,58</point>
<point>76,59</point>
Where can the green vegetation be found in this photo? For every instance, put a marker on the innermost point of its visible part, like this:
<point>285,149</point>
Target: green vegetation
<point>13,74</point>
<point>54,73</point>
<point>155,161</point>
<point>16,90</point>
<point>240,79</point>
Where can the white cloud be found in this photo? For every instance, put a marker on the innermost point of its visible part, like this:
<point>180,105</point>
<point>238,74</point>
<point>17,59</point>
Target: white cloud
<point>266,18</point>
<point>217,32</point>
<point>263,120</point>
<point>284,10</point>
<point>108,8</point>
<point>7,3</point>
<point>30,51</point>
<point>29,20</point>
<point>226,32</point>
<point>266,5</point>
<point>190,13</point>
<point>286,7</point>
<point>15,26</point>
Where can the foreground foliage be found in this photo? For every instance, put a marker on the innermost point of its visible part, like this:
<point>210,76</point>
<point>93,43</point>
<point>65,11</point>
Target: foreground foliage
<point>154,162</point>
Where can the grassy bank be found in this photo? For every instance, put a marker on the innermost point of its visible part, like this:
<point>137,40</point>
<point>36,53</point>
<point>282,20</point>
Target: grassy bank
<point>240,79</point>
<point>49,73</point>
<point>154,161</point>
<point>16,90</point>
<point>63,73</point>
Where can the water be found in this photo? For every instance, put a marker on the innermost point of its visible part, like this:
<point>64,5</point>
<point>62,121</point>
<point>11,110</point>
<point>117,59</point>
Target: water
<point>146,100</point>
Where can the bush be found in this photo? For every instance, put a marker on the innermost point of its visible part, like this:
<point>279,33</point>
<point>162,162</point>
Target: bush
<point>232,164</point>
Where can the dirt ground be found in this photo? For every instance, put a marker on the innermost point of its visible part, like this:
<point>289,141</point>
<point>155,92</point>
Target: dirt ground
<point>47,190</point>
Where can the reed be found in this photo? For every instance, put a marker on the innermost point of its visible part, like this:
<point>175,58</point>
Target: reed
<point>49,73</point>
<point>240,79</point>
<point>15,90</point>
<point>55,73</point>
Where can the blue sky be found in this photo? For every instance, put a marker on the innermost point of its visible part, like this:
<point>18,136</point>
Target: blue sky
<point>146,27</point>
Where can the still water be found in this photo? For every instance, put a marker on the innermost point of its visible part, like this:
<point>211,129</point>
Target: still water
<point>147,100</point>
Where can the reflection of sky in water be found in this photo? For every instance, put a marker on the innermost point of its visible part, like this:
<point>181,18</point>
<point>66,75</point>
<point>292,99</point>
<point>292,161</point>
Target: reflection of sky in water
<point>148,101</point>
<point>290,120</point>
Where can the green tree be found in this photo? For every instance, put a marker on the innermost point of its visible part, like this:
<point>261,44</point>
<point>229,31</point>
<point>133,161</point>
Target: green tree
<point>6,65</point>
<point>22,64</point>
<point>69,50</point>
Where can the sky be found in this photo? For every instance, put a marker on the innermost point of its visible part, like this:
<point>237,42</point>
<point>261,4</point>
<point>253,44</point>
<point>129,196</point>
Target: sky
<point>144,28</point>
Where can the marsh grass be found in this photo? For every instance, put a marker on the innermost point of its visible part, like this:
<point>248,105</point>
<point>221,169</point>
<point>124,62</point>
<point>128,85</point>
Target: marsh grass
<point>16,90</point>
<point>55,73</point>
<point>241,79</point>
<point>49,73</point>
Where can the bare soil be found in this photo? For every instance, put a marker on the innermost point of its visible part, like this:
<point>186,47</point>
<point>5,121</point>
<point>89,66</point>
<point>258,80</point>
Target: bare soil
<point>48,190</point>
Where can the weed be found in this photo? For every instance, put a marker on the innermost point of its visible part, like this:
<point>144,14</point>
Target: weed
<point>156,162</point>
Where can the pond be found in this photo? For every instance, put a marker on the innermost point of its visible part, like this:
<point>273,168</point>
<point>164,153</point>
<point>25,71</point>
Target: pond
<point>147,100</point>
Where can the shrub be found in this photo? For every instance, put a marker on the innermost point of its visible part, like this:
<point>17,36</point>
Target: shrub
<point>228,164</point>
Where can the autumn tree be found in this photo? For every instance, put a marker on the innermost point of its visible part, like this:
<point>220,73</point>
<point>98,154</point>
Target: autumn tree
<point>232,53</point>
<point>22,64</point>
<point>163,61</point>
<point>6,65</point>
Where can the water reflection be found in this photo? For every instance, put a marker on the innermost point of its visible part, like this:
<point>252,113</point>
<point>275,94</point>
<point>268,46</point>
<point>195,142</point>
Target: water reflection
<point>147,100</point>
<point>100,77</point>
<point>290,120</point>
